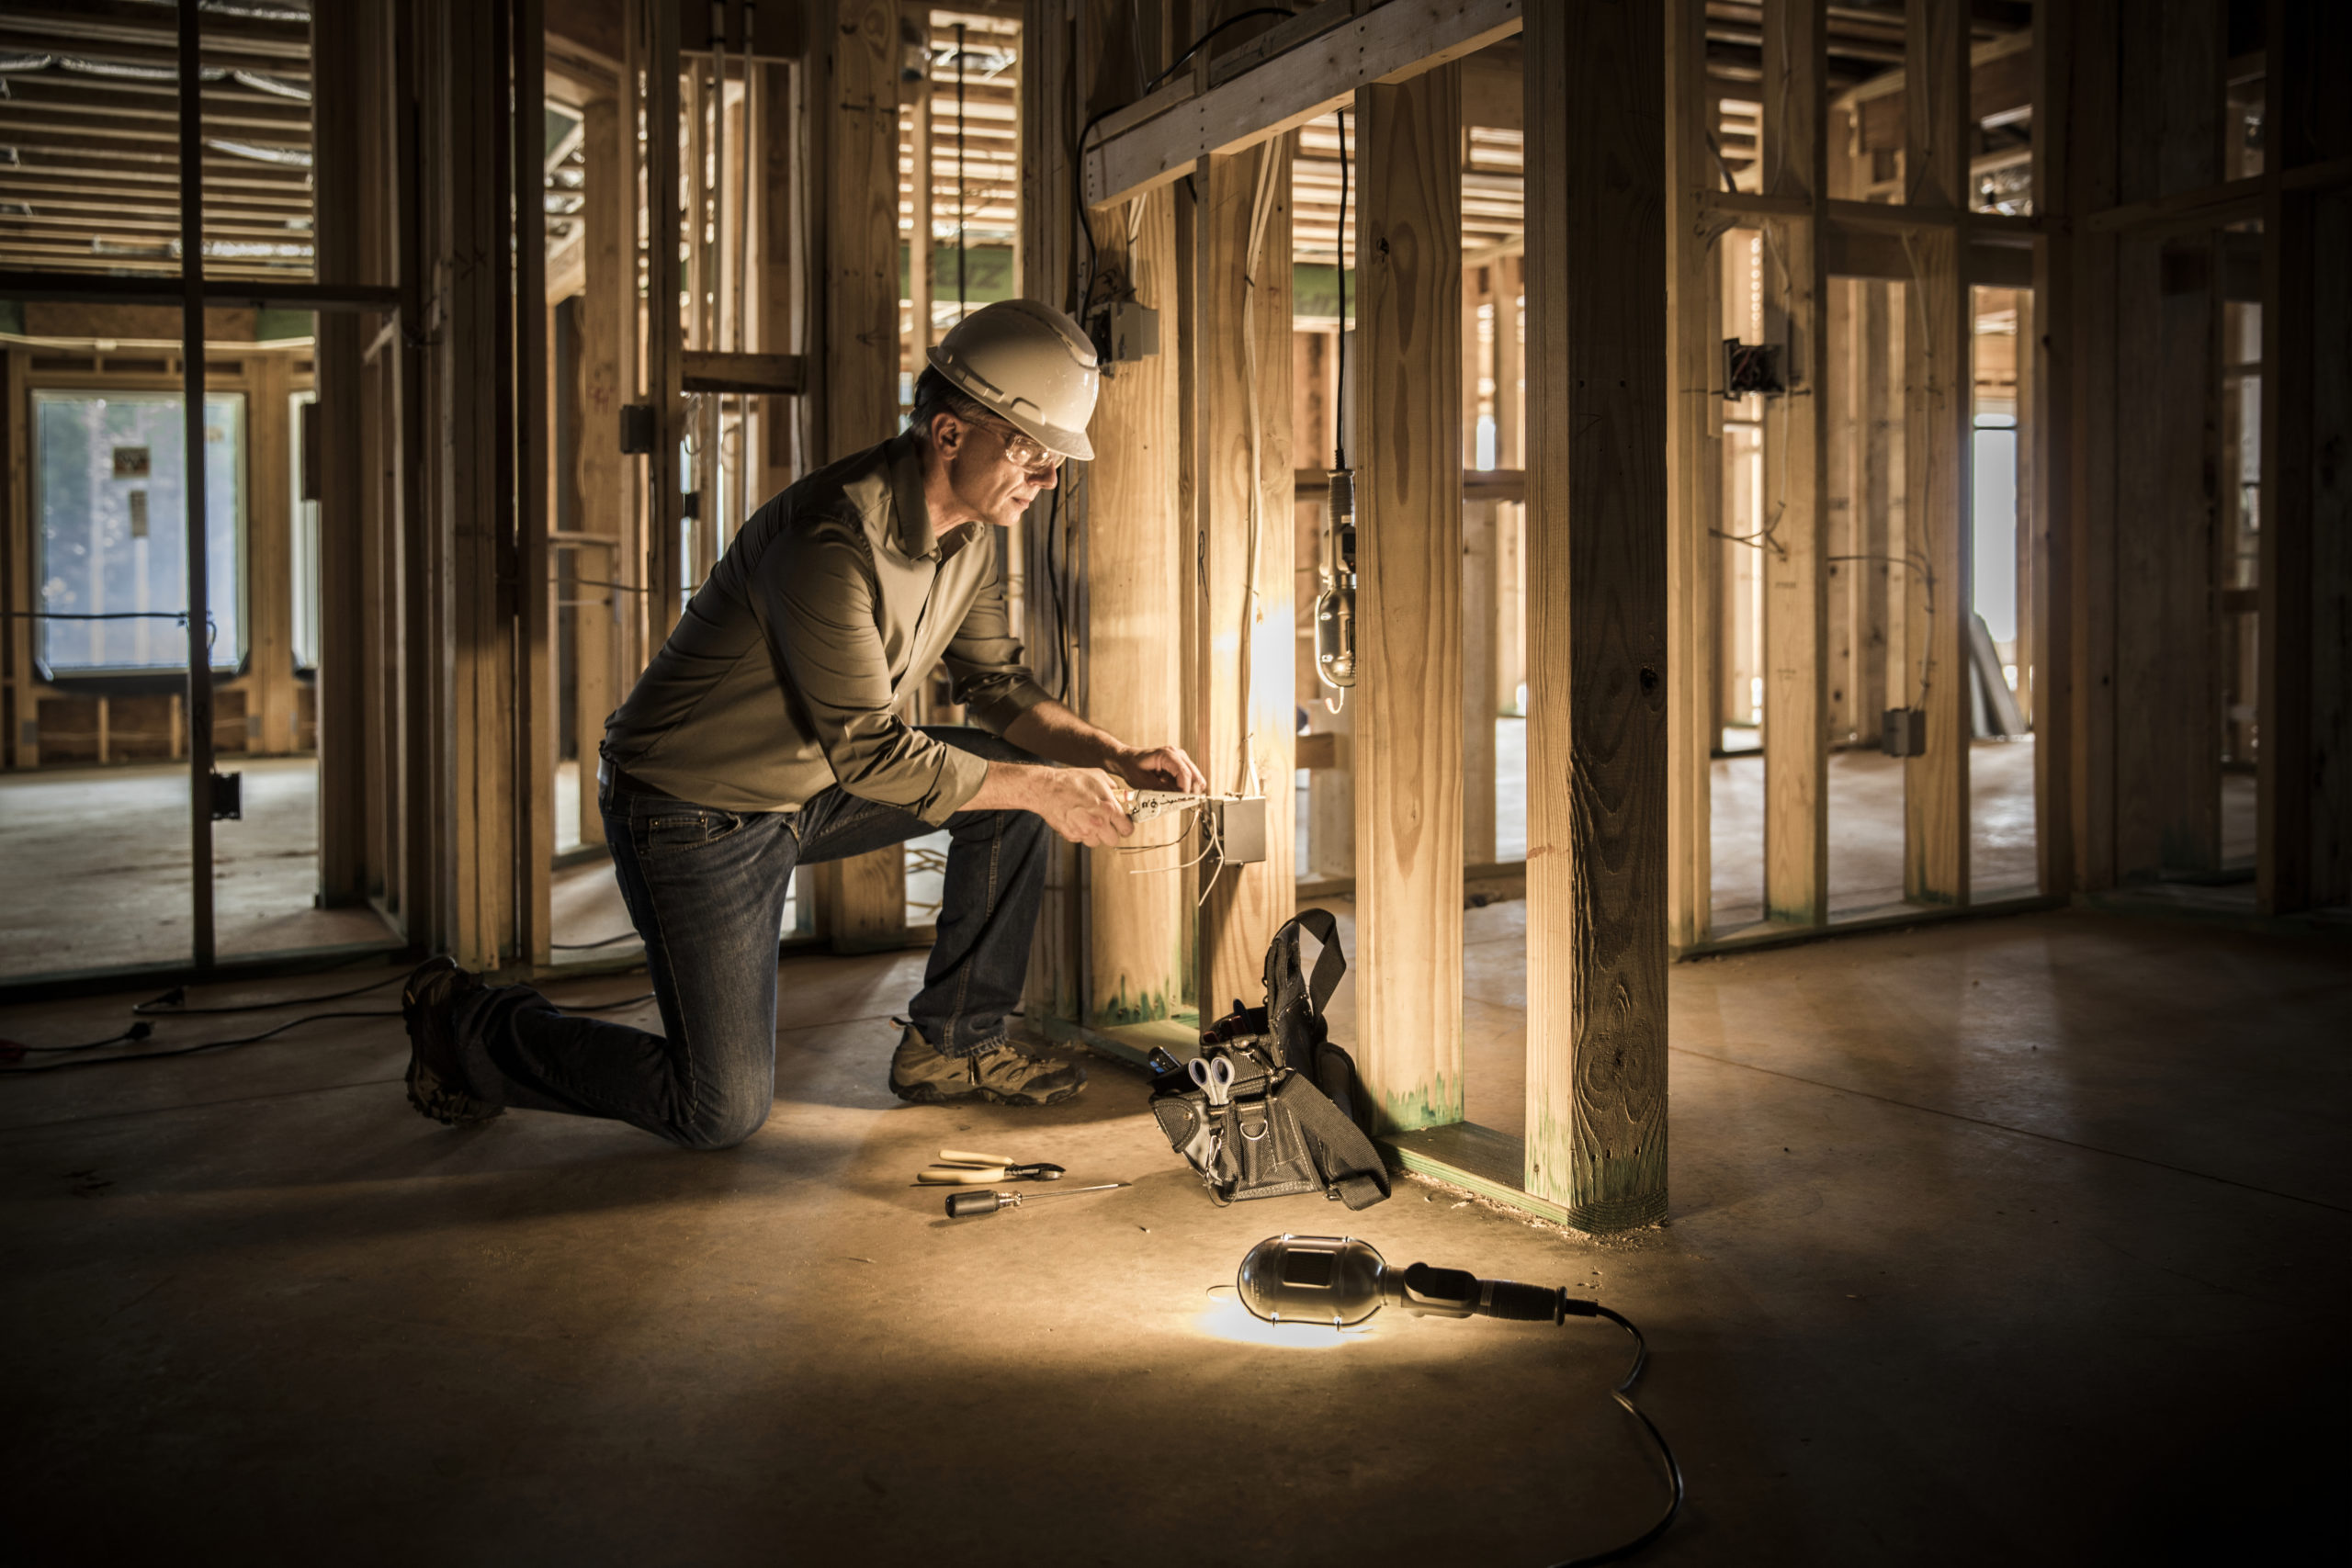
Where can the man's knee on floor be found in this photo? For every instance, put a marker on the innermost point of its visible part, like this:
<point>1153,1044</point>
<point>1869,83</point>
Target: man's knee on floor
<point>726,1123</point>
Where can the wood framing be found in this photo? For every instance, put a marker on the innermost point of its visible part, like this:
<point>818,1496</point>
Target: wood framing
<point>2304,787</point>
<point>1134,531</point>
<point>2050,348</point>
<point>1240,424</point>
<point>1385,43</point>
<point>537,723</point>
<point>1694,479</point>
<point>1795,437</point>
<point>472,515</point>
<point>1597,926</point>
<point>1938,397</point>
<point>341,55</point>
<point>1048,126</point>
<point>1407,720</point>
<point>606,618</point>
<point>654,62</point>
<point>861,902</point>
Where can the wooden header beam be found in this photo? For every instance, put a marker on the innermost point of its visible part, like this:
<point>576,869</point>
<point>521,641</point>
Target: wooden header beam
<point>1394,42</point>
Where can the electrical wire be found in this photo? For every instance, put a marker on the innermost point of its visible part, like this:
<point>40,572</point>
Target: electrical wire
<point>1623,1393</point>
<point>587,946</point>
<point>1339,257</point>
<point>139,1031</point>
<point>172,1004</point>
<point>188,1050</point>
<point>142,1029</point>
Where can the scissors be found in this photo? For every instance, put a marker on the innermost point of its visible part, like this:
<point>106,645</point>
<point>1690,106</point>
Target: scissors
<point>1215,1077</point>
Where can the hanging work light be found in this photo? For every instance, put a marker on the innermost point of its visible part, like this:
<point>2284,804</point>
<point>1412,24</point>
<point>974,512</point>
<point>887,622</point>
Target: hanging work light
<point>1336,1281</point>
<point>1335,603</point>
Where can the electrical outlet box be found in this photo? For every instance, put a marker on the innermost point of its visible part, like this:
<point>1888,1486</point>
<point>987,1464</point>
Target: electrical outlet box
<point>1905,733</point>
<point>1135,332</point>
<point>639,433</point>
<point>1240,829</point>
<point>1751,367</point>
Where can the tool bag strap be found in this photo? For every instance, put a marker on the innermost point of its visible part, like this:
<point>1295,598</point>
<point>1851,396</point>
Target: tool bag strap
<point>1294,1002</point>
<point>1345,1157</point>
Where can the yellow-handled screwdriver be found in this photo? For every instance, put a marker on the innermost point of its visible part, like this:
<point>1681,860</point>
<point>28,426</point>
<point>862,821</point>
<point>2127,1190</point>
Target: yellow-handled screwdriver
<point>962,1204</point>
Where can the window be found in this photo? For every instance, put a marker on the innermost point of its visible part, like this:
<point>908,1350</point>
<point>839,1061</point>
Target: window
<point>109,472</point>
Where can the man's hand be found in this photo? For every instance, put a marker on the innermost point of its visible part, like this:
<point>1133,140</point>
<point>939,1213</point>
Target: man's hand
<point>1081,805</point>
<point>1077,803</point>
<point>1163,767</point>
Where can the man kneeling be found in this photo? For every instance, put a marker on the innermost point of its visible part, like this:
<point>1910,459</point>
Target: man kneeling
<point>765,735</point>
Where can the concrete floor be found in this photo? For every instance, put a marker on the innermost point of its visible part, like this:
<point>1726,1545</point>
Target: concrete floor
<point>110,848</point>
<point>2020,1240</point>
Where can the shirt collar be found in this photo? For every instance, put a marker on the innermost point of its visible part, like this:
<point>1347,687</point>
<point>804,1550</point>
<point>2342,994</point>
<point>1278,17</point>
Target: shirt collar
<point>916,540</point>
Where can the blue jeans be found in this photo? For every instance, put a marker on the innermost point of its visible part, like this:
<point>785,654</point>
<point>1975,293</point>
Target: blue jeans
<point>705,890</point>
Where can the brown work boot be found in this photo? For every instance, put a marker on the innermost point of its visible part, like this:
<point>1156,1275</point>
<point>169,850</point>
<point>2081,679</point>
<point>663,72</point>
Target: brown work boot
<point>1002,1072</point>
<point>436,1078</point>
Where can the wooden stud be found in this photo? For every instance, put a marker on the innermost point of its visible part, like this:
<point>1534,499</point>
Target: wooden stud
<point>537,723</point>
<point>2168,724</point>
<point>1694,482</point>
<point>1481,592</point>
<point>1408,728</point>
<point>23,739</point>
<point>1048,126</point>
<point>1598,396</point>
<point>2091,608</point>
<point>1938,394</point>
<point>1844,415</point>
<point>776,295</point>
<point>665,328</point>
<point>1481,664</point>
<point>2304,788</point>
<point>1246,678</point>
<point>1135,954</point>
<point>854,112</point>
<point>1794,510</point>
<point>269,555</point>
<point>350,70</point>
<point>916,15</point>
<point>605,320</point>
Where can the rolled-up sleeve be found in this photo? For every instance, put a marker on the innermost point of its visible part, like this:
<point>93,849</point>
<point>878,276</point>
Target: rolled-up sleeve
<point>984,659</point>
<point>817,597</point>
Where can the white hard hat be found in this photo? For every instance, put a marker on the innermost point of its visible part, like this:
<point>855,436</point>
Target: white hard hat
<point>1031,364</point>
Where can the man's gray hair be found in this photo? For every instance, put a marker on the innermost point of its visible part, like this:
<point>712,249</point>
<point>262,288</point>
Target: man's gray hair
<point>936,395</point>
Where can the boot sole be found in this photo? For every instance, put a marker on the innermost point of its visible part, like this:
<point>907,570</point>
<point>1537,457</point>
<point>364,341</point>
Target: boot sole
<point>436,1101</point>
<point>930,1094</point>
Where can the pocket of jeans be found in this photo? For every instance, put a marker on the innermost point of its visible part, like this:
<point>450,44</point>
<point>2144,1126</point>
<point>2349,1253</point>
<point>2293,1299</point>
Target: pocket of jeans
<point>674,831</point>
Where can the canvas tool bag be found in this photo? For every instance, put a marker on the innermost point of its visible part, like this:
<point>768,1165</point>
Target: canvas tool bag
<point>1292,1122</point>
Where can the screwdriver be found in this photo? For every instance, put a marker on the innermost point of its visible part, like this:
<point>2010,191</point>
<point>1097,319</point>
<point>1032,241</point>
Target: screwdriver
<point>961,1204</point>
<point>973,1175</point>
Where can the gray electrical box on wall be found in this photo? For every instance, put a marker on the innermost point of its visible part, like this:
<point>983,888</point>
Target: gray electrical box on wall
<point>1241,828</point>
<point>1905,733</point>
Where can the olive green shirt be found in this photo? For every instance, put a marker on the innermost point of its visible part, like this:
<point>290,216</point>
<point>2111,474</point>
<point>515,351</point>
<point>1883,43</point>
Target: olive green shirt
<point>787,672</point>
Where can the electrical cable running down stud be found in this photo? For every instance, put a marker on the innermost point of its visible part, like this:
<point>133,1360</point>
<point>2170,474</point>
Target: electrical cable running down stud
<point>1337,1282</point>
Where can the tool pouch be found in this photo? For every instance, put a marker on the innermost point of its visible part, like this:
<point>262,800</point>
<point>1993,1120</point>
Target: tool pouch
<point>1291,1122</point>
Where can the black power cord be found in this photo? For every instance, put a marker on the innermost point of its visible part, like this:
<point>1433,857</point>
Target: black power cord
<point>1340,260</point>
<point>1623,1393</point>
<point>168,1004</point>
